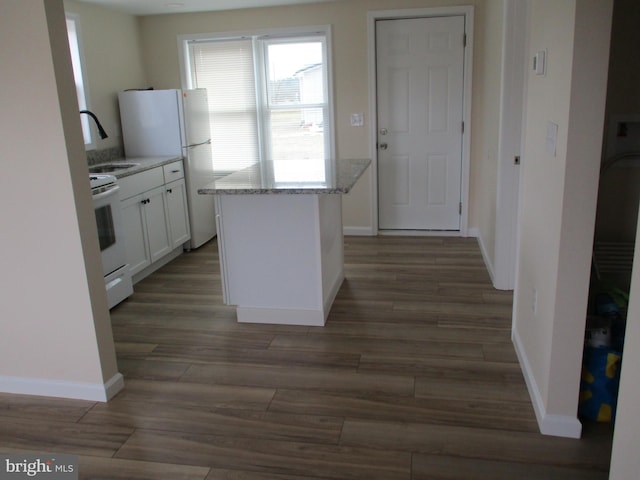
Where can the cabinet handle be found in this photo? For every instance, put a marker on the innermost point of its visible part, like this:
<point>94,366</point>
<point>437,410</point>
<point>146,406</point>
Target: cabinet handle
<point>169,190</point>
<point>143,202</point>
<point>175,171</point>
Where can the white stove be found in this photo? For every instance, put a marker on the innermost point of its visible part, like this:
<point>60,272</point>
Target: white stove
<point>98,181</point>
<point>106,204</point>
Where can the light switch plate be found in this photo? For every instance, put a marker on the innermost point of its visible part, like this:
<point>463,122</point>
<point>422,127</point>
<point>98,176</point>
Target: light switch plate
<point>357,119</point>
<point>540,62</point>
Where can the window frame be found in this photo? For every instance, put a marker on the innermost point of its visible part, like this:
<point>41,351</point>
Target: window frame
<point>265,36</point>
<point>265,104</point>
<point>83,97</point>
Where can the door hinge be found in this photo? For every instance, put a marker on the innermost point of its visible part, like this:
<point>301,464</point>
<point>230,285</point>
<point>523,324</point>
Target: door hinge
<point>464,40</point>
<point>516,160</point>
<point>460,208</point>
<point>462,127</point>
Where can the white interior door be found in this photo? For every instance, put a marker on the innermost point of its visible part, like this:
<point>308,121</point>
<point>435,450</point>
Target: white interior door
<point>420,85</point>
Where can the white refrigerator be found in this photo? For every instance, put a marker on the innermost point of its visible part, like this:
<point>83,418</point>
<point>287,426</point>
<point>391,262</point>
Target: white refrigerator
<point>174,122</point>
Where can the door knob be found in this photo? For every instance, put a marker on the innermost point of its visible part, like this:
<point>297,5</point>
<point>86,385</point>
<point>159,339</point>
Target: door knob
<point>383,146</point>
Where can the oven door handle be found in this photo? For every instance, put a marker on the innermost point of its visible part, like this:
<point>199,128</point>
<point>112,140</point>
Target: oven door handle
<point>107,192</point>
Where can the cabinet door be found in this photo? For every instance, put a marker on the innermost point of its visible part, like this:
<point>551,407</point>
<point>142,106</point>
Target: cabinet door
<point>176,195</point>
<point>136,243</point>
<point>157,226</point>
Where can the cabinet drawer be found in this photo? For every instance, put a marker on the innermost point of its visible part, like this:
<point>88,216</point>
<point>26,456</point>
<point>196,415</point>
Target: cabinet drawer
<point>173,171</point>
<point>140,182</point>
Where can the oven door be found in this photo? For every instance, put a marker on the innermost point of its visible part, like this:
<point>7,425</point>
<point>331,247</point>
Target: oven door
<point>106,203</point>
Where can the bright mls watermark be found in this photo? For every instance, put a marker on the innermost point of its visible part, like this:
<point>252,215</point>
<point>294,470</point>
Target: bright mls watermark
<point>28,466</point>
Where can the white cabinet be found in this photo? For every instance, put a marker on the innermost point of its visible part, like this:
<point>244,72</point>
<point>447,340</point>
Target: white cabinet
<point>176,197</point>
<point>281,256</point>
<point>156,220</point>
<point>146,229</point>
<point>176,201</point>
<point>135,230</point>
<point>154,214</point>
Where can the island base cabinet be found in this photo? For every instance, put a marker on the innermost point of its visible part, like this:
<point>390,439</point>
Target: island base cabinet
<point>281,256</point>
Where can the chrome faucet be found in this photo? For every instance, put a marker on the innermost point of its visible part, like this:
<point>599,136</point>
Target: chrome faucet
<point>101,131</point>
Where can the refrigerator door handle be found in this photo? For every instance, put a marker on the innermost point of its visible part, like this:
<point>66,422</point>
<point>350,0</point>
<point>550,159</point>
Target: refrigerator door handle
<point>206,142</point>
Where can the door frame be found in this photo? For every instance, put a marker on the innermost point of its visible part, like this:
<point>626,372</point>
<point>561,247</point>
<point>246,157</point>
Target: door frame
<point>511,134</point>
<point>372,16</point>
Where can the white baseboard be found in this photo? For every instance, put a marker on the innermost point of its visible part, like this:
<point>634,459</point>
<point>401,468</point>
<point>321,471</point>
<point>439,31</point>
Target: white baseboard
<point>56,388</point>
<point>292,316</point>
<point>331,295</point>
<point>358,231</point>
<point>420,233</point>
<point>113,386</point>
<point>555,425</point>
<point>282,316</point>
<point>475,232</point>
<point>144,273</point>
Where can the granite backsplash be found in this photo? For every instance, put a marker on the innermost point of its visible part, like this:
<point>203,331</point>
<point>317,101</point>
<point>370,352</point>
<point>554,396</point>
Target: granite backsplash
<point>94,157</point>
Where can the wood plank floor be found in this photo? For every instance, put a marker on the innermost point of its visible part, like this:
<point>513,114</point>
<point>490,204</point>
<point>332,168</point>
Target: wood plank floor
<point>414,377</point>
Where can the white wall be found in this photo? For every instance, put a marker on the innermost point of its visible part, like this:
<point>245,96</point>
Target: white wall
<point>55,336</point>
<point>484,167</point>
<point>620,188</point>
<point>625,461</point>
<point>624,98</point>
<point>110,42</point>
<point>558,200</point>
<point>351,82</point>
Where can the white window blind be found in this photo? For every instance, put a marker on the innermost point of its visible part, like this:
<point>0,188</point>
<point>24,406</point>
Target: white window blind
<point>268,99</point>
<point>226,70</point>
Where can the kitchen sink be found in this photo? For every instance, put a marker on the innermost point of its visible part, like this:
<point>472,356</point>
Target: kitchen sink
<point>111,167</point>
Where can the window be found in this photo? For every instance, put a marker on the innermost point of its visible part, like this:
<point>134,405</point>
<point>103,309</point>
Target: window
<point>73,32</point>
<point>269,98</point>
<point>226,70</point>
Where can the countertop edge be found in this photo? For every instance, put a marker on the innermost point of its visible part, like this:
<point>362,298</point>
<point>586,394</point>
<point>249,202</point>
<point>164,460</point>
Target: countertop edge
<point>273,191</point>
<point>360,165</point>
<point>142,164</point>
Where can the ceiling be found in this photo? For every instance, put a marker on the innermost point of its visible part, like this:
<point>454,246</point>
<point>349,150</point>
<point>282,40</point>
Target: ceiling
<point>152,7</point>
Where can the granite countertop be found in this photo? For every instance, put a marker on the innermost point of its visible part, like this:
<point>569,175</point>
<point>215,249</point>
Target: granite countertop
<point>132,165</point>
<point>291,177</point>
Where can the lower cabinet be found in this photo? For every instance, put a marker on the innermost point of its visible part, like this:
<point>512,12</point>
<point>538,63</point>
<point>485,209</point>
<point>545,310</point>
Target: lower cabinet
<point>176,195</point>
<point>155,219</point>
<point>146,229</point>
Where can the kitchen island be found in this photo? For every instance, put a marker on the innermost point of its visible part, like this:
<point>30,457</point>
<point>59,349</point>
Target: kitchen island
<point>280,238</point>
